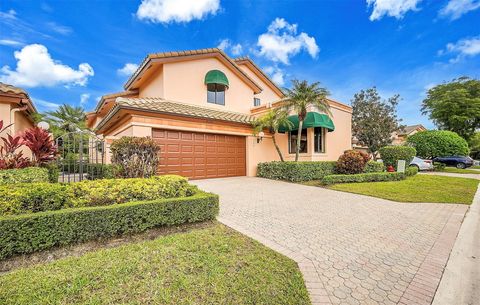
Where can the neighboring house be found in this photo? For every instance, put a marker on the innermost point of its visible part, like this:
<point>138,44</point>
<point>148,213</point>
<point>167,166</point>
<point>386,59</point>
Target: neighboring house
<point>399,137</point>
<point>16,109</point>
<point>199,106</point>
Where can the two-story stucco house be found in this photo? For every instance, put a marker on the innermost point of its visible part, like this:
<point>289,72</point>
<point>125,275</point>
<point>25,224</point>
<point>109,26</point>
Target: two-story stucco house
<point>199,106</point>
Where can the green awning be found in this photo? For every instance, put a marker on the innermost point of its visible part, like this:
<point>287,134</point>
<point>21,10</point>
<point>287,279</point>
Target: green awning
<point>216,77</point>
<point>313,119</point>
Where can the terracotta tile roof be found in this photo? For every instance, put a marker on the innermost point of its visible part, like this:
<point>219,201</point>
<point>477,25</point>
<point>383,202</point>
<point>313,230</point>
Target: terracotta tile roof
<point>113,95</point>
<point>166,55</point>
<point>159,105</point>
<point>408,129</point>
<point>5,88</point>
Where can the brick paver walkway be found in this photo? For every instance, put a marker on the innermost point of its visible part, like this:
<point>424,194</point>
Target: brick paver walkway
<point>351,249</point>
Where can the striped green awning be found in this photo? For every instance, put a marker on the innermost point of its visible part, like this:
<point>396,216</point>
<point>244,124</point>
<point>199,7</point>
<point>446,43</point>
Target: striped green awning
<point>216,77</point>
<point>313,119</point>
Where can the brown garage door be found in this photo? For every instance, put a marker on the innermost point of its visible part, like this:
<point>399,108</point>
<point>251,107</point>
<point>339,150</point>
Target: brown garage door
<point>200,155</point>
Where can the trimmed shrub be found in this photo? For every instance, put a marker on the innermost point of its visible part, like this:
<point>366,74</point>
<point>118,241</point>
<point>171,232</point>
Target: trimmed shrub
<point>24,175</point>
<point>351,162</point>
<point>135,156</point>
<point>411,171</point>
<point>35,197</point>
<point>391,154</point>
<point>295,171</point>
<point>438,143</point>
<point>367,177</point>
<point>39,231</point>
<point>374,167</point>
<point>102,171</point>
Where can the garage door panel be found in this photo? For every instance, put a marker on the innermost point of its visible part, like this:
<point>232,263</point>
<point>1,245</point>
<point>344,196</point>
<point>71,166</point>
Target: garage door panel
<point>200,155</point>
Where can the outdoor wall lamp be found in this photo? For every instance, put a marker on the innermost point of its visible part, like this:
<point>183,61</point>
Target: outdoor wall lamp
<point>260,136</point>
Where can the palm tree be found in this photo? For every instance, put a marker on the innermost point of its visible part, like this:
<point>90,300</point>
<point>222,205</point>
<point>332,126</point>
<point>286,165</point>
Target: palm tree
<point>302,97</point>
<point>273,120</point>
<point>67,119</point>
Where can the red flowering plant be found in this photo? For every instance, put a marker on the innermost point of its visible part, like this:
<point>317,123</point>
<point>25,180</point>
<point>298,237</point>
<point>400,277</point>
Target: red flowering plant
<point>41,144</point>
<point>10,157</point>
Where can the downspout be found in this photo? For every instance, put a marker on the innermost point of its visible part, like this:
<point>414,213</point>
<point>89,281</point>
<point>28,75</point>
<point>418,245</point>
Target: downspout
<point>12,117</point>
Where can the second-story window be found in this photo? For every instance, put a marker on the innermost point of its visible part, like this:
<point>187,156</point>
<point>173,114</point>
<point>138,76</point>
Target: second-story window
<point>216,94</point>
<point>217,84</point>
<point>256,101</point>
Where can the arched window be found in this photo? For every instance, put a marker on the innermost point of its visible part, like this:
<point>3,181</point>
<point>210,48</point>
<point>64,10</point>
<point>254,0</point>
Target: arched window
<point>217,84</point>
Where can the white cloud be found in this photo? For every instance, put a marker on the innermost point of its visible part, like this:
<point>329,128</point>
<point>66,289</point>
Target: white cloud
<point>166,11</point>
<point>281,42</point>
<point>276,74</point>
<point>456,8</point>
<point>467,47</point>
<point>10,43</point>
<point>128,69</point>
<point>60,29</point>
<point>44,105</point>
<point>84,98</point>
<point>226,45</point>
<point>35,68</point>
<point>392,8</point>
<point>10,14</point>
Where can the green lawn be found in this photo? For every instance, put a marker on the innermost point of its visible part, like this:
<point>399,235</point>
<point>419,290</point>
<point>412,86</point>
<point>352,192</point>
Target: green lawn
<point>459,171</point>
<point>475,167</point>
<point>213,265</point>
<point>419,188</point>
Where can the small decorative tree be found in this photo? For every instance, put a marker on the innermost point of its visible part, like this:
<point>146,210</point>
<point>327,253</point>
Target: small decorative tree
<point>135,156</point>
<point>273,120</point>
<point>374,120</point>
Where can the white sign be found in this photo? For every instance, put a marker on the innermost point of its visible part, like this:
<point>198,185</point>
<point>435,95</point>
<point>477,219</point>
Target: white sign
<point>401,166</point>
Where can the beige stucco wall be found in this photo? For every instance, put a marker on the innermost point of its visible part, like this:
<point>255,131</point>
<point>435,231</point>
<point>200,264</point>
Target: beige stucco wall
<point>4,115</point>
<point>184,82</point>
<point>267,95</point>
<point>19,120</point>
<point>154,86</point>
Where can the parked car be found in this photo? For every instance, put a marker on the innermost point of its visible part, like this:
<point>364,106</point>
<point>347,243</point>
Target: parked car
<point>422,164</point>
<point>457,161</point>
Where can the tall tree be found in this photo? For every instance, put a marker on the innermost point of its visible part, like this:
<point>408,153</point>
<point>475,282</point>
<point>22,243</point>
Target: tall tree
<point>455,106</point>
<point>66,119</point>
<point>303,97</point>
<point>273,120</point>
<point>374,119</point>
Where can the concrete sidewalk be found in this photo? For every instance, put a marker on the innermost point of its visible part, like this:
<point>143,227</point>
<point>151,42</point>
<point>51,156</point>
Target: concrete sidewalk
<point>460,283</point>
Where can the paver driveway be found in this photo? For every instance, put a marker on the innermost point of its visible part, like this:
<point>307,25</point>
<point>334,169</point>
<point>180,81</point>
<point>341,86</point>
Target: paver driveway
<point>352,249</point>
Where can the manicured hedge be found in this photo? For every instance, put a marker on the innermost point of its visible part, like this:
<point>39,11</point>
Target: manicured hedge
<point>367,177</point>
<point>295,171</point>
<point>38,231</point>
<point>391,154</point>
<point>36,197</point>
<point>374,167</point>
<point>24,175</point>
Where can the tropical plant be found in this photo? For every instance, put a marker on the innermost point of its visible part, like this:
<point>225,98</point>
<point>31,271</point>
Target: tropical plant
<point>302,97</point>
<point>438,143</point>
<point>10,156</point>
<point>41,145</point>
<point>66,119</point>
<point>272,121</point>
<point>455,106</point>
<point>374,120</point>
<point>135,156</point>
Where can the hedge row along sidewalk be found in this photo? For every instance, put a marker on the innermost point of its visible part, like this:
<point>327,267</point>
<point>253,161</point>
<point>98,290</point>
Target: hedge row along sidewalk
<point>38,231</point>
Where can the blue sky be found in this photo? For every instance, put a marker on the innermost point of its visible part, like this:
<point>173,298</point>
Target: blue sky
<point>75,51</point>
